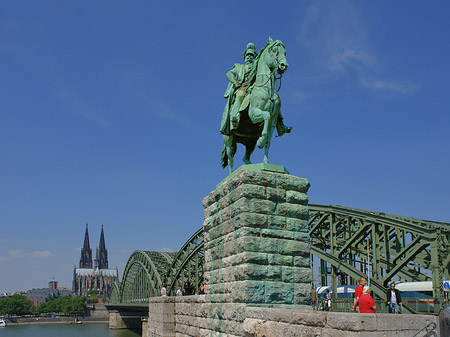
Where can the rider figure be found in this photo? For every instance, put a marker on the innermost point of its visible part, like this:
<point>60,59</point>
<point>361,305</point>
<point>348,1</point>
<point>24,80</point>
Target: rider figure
<point>238,90</point>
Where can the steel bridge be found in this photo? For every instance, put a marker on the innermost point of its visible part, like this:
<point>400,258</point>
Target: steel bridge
<point>348,243</point>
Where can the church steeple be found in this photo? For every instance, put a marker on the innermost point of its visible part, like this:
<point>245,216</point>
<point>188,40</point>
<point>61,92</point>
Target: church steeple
<point>101,254</point>
<point>86,252</point>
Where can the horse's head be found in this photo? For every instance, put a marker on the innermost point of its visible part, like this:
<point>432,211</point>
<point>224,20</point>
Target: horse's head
<point>276,56</point>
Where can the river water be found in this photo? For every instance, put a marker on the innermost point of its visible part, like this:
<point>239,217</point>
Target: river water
<point>64,330</point>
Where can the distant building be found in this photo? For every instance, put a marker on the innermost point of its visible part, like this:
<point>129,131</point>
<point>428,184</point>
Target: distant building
<point>40,295</point>
<point>99,278</point>
<point>53,284</point>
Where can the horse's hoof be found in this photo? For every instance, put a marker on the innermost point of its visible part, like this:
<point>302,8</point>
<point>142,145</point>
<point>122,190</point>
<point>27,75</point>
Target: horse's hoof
<point>260,142</point>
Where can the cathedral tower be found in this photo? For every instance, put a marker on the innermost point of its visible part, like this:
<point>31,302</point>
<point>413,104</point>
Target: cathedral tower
<point>86,252</point>
<point>99,278</point>
<point>101,254</point>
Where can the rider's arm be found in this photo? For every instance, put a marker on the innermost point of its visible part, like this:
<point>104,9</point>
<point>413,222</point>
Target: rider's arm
<point>232,76</point>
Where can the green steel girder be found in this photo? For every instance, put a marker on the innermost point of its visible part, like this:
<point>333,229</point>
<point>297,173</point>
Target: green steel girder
<point>188,264</point>
<point>146,271</point>
<point>408,248</point>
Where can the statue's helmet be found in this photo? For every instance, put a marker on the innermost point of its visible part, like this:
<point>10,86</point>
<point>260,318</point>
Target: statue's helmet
<point>250,50</point>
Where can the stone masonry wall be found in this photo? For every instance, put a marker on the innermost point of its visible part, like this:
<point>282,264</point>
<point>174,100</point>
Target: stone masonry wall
<point>191,317</point>
<point>257,246</point>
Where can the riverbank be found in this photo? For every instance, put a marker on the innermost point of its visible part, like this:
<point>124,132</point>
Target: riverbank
<point>56,320</point>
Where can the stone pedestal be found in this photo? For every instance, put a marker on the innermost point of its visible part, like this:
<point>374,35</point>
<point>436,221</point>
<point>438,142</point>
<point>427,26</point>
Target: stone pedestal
<point>257,245</point>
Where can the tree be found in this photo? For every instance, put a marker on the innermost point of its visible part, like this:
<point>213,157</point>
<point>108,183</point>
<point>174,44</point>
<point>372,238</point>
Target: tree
<point>15,305</point>
<point>64,305</point>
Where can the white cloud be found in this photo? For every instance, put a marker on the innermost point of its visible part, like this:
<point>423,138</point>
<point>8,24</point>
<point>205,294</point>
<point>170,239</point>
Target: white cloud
<point>15,253</point>
<point>2,258</point>
<point>335,37</point>
<point>36,254</point>
<point>42,253</point>
<point>167,250</point>
<point>400,87</point>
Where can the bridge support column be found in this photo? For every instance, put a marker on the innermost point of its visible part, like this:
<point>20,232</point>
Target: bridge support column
<point>116,321</point>
<point>257,245</point>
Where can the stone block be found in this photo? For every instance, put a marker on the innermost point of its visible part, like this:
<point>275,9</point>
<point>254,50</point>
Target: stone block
<point>352,322</point>
<point>279,260</point>
<point>292,210</point>
<point>302,261</point>
<point>276,222</point>
<point>298,225</point>
<point>296,197</point>
<point>295,274</point>
<point>295,183</point>
<point>278,292</point>
<point>275,194</point>
<point>416,322</point>
<point>302,293</point>
<point>328,332</point>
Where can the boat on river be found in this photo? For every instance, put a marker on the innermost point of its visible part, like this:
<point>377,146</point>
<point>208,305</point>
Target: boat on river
<point>2,323</point>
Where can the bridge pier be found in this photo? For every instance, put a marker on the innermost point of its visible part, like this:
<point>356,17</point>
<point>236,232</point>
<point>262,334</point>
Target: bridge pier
<point>257,245</point>
<point>132,319</point>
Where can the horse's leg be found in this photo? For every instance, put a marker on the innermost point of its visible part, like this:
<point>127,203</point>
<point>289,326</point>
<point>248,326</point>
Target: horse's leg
<point>249,148</point>
<point>269,140</point>
<point>257,115</point>
<point>231,149</point>
<point>262,140</point>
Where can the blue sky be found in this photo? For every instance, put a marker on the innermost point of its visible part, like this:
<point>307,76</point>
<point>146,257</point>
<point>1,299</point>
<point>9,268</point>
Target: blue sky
<point>110,111</point>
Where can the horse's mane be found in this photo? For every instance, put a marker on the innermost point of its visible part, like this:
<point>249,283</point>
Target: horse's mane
<point>253,71</point>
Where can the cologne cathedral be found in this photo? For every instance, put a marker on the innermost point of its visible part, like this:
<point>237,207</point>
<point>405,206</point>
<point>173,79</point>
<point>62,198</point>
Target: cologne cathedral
<point>98,277</point>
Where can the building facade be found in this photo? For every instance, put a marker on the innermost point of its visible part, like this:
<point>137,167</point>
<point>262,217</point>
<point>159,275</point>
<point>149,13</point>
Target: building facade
<point>94,277</point>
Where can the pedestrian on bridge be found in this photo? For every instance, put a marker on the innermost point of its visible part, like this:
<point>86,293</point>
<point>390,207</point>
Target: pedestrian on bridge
<point>163,290</point>
<point>366,302</point>
<point>394,299</point>
<point>358,292</point>
<point>314,298</point>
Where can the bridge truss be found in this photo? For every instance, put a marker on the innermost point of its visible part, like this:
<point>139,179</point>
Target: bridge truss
<point>146,271</point>
<point>348,243</point>
<point>353,242</point>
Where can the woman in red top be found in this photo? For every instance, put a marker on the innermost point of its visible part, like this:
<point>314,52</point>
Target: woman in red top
<point>366,303</point>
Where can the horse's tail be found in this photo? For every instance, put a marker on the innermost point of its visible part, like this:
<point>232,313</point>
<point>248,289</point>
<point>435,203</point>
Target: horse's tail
<point>224,156</point>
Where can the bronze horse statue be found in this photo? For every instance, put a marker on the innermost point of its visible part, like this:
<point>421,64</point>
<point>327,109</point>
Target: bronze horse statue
<point>259,119</point>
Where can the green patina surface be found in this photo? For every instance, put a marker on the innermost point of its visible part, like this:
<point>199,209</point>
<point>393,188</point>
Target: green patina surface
<point>252,112</point>
<point>256,228</point>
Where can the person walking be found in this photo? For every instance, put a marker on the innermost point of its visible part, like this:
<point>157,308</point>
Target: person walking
<point>328,299</point>
<point>163,290</point>
<point>394,299</point>
<point>366,302</point>
<point>314,298</point>
<point>180,291</point>
<point>358,292</point>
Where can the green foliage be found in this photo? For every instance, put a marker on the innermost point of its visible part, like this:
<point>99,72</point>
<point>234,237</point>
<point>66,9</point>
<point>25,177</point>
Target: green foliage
<point>92,299</point>
<point>65,305</point>
<point>15,305</point>
<point>92,293</point>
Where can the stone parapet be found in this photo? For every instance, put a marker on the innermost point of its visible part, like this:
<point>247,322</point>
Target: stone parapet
<point>194,316</point>
<point>161,317</point>
<point>257,245</point>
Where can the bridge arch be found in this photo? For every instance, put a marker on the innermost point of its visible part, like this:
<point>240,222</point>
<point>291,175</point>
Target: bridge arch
<point>143,276</point>
<point>345,240</point>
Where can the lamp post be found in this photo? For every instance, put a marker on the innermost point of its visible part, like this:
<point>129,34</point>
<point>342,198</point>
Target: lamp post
<point>368,264</point>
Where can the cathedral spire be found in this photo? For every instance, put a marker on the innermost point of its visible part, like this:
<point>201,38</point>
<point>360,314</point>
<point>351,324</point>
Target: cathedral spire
<point>86,252</point>
<point>101,254</point>
<point>86,239</point>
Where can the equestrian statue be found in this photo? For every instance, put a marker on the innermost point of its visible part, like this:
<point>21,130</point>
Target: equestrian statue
<point>252,111</point>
